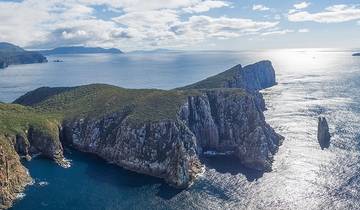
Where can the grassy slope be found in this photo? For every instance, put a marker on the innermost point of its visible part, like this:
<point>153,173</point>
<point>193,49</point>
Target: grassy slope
<point>16,119</point>
<point>216,81</point>
<point>98,100</point>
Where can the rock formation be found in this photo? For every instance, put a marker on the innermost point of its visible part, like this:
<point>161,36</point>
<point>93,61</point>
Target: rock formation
<point>11,54</point>
<point>323,135</point>
<point>253,77</point>
<point>155,132</point>
<point>13,175</point>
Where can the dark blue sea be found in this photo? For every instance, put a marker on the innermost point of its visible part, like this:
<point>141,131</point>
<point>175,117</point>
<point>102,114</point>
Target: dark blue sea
<point>312,82</point>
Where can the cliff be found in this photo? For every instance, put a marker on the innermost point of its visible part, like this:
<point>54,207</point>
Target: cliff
<point>80,50</point>
<point>24,132</point>
<point>155,132</point>
<point>253,77</point>
<point>11,54</point>
<point>13,175</point>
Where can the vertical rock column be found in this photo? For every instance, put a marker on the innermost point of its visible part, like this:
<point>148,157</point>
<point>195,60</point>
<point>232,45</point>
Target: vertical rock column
<point>323,135</point>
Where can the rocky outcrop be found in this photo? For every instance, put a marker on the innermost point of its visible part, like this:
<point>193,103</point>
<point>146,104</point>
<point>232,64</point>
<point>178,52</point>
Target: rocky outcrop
<point>13,175</point>
<point>253,77</point>
<point>231,122</point>
<point>323,135</point>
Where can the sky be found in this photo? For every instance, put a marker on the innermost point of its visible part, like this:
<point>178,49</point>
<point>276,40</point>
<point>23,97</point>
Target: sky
<point>181,24</point>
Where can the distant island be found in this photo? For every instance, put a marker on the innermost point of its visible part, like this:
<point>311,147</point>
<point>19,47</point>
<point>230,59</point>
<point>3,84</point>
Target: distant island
<point>160,50</point>
<point>11,54</point>
<point>80,50</point>
<point>356,54</point>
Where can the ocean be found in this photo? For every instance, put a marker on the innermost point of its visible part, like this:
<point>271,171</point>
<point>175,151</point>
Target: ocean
<point>311,82</point>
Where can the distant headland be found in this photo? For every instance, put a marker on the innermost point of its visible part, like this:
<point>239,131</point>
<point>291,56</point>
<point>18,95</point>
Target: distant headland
<point>80,50</point>
<point>11,54</point>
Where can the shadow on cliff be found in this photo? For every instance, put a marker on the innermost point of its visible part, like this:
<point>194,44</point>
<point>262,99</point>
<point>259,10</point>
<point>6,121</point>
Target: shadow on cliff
<point>230,164</point>
<point>100,171</point>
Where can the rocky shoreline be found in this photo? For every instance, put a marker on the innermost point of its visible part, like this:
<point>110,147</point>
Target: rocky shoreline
<point>154,132</point>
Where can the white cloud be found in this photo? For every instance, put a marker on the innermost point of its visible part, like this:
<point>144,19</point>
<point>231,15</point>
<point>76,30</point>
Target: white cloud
<point>277,32</point>
<point>205,6</point>
<point>332,14</point>
<point>303,30</point>
<point>171,30</point>
<point>140,24</point>
<point>302,5</point>
<point>260,7</point>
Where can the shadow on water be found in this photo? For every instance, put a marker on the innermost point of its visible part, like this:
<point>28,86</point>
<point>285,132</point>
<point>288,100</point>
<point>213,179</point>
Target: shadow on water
<point>119,177</point>
<point>230,164</point>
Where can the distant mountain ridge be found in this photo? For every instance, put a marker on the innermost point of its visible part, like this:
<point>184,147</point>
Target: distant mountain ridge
<point>356,54</point>
<point>12,54</point>
<point>160,50</point>
<point>80,50</point>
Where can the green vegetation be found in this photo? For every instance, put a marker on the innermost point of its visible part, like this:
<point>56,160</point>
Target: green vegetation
<point>45,107</point>
<point>217,81</point>
<point>98,100</point>
<point>16,119</point>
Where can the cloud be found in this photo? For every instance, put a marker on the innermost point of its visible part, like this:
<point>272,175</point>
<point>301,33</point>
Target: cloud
<point>171,30</point>
<point>277,32</point>
<point>332,14</point>
<point>302,5</point>
<point>205,6</point>
<point>134,24</point>
<point>260,7</point>
<point>303,30</point>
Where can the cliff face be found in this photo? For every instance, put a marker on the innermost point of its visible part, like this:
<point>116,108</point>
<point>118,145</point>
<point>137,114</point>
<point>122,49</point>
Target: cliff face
<point>155,132</point>
<point>220,120</point>
<point>165,149</point>
<point>38,141</point>
<point>13,175</point>
<point>232,122</point>
<point>253,77</point>
<point>24,132</point>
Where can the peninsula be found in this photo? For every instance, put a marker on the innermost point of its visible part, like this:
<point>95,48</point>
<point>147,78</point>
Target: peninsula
<point>161,133</point>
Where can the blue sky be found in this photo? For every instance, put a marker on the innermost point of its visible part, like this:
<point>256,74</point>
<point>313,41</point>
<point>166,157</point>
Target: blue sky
<point>181,24</point>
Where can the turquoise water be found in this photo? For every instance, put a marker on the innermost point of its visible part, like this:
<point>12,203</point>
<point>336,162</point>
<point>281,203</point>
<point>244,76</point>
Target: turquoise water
<point>311,83</point>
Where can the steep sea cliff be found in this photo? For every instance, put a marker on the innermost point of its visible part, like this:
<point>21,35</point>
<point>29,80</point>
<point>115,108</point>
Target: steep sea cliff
<point>155,132</point>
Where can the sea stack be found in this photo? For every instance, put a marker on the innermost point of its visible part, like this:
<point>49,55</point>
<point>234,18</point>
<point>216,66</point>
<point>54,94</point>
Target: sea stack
<point>323,133</point>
